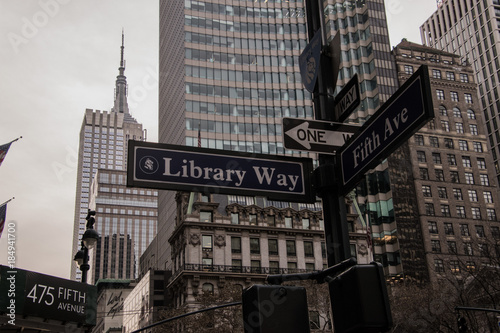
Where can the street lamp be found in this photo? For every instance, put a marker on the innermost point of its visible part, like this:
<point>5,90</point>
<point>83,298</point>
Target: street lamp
<point>89,240</point>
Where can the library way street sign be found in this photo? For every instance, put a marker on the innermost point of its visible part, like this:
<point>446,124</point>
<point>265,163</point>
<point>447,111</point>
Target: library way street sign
<point>182,168</point>
<point>399,118</point>
<point>316,136</point>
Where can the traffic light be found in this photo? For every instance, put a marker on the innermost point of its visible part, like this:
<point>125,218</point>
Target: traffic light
<point>274,308</point>
<point>462,324</point>
<point>359,300</point>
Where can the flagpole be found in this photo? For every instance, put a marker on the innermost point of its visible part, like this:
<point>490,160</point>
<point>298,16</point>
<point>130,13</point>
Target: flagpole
<point>6,202</point>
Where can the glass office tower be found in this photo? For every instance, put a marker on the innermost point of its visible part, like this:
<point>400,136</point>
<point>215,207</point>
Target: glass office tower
<point>229,73</point>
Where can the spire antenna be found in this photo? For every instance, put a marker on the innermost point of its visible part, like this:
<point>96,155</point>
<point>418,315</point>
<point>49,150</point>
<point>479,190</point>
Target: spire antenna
<point>122,62</point>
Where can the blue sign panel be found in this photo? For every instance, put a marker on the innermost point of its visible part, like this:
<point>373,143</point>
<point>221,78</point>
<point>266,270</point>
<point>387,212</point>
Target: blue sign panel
<point>309,62</point>
<point>399,118</point>
<point>170,167</point>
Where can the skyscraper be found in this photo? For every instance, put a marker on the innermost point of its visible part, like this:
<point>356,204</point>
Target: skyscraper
<point>452,224</point>
<point>471,29</point>
<point>103,147</point>
<point>229,73</point>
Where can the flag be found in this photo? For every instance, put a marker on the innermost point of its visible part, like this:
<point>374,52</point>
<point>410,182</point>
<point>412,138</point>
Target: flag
<point>199,137</point>
<point>3,151</point>
<point>3,214</point>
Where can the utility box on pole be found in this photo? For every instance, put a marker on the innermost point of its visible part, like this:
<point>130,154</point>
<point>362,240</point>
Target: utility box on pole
<point>359,300</point>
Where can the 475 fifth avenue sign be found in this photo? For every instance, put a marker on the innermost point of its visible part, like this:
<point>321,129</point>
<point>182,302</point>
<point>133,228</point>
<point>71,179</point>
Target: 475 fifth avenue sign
<point>182,168</point>
<point>400,117</point>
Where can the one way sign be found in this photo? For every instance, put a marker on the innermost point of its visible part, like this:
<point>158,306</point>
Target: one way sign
<point>316,136</point>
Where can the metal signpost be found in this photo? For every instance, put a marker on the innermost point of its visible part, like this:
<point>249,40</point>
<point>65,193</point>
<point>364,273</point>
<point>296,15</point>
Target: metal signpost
<point>172,167</point>
<point>318,136</point>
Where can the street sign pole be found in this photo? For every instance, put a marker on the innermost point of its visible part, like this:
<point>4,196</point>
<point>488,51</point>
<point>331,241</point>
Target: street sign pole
<point>326,179</point>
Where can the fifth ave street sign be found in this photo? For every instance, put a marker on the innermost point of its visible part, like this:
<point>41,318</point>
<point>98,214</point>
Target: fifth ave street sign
<point>182,168</point>
<point>316,136</point>
<point>399,118</point>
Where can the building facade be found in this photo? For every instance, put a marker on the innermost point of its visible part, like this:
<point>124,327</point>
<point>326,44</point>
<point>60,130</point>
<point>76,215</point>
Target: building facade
<point>455,225</point>
<point>229,73</point>
<point>103,146</point>
<point>471,29</point>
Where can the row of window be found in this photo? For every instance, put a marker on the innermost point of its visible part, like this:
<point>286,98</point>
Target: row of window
<point>249,110</point>
<point>468,250</point>
<point>460,212</point>
<point>456,112</point>
<point>243,11</point>
<point>453,96</point>
<point>242,76</point>
<point>436,157</point>
<point>275,148</point>
<point>454,177</point>
<point>464,230</point>
<point>457,194</point>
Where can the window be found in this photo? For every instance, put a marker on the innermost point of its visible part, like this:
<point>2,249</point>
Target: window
<point>454,177</point>
<point>436,158</point>
<point>464,78</point>
<point>464,230</point>
<point>433,229</point>
<point>443,111</point>
<point>466,161</point>
<point>452,247</point>
<point>462,145</point>
<point>419,139</point>
<point>495,232</point>
<point>483,250</point>
<point>481,163</point>
<point>450,76</point>
<point>471,114</point>
<point>439,175</point>
<point>484,180</point>
<point>408,69</point>
<point>455,266</point>
<point>440,94</point>
<point>255,266</point>
<point>206,242</point>
<point>424,173</point>
<point>305,223</point>
<point>288,222</point>
<point>459,127</point>
<point>273,247</point>
<point>426,191</point>
<point>454,96</point>
<point>488,198</point>
<point>479,231</point>
<point>473,129</point>
<point>448,143</point>
<point>461,212</point>
<point>252,219</point>
<point>271,220</point>
<point>473,195</point>
<point>445,125</point>
<point>457,113</point>
<point>235,218</point>
<point>468,98</point>
<point>433,140</point>
<point>207,264</point>
<point>451,158</point>
<point>254,245</point>
<point>207,288</point>
<point>205,216</point>
<point>429,209</point>
<point>290,248</point>
<point>491,215</point>
<point>274,267</point>
<point>421,157</point>
<point>235,244</point>
<point>308,249</point>
<point>436,246</point>
<point>477,147</point>
<point>469,178</point>
<point>445,210</point>
<point>236,263</point>
<point>468,249</point>
<point>438,265</point>
<point>442,194</point>
<point>436,73</point>
<point>448,229</point>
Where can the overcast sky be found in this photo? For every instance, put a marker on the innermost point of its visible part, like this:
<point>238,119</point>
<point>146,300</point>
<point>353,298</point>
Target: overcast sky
<point>58,58</point>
